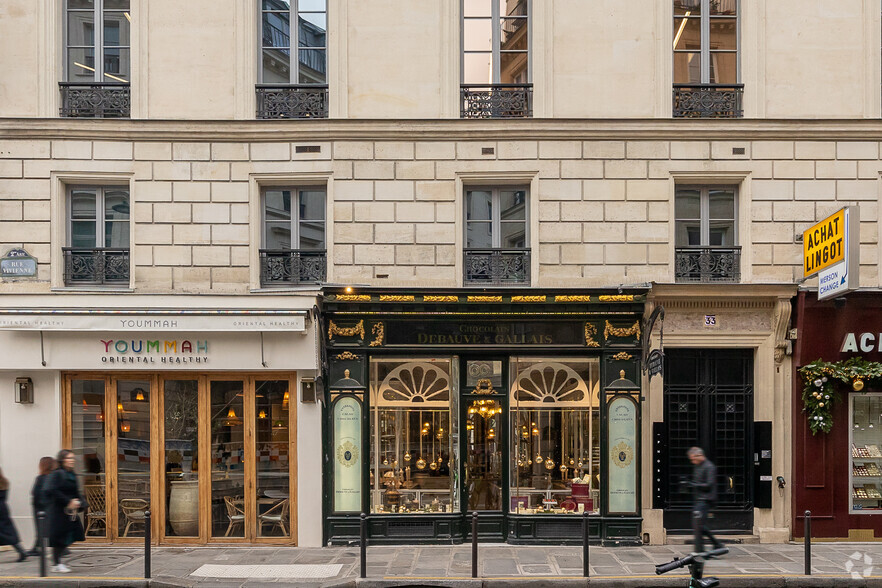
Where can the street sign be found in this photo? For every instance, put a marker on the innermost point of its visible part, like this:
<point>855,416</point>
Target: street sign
<point>17,264</point>
<point>834,281</point>
<point>655,362</point>
<point>831,250</point>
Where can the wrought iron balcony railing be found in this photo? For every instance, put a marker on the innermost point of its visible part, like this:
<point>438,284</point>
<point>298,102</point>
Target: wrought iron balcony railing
<point>708,264</point>
<point>497,101</point>
<point>303,101</point>
<point>292,266</point>
<point>708,100</point>
<point>96,266</point>
<point>95,100</point>
<point>494,267</point>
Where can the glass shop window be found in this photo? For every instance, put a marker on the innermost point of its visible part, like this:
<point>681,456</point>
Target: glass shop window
<point>555,428</point>
<point>414,456</point>
<point>866,453</point>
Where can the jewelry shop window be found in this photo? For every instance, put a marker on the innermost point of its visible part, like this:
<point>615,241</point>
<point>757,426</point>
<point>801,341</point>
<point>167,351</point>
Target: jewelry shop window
<point>555,428</point>
<point>866,453</point>
<point>413,428</point>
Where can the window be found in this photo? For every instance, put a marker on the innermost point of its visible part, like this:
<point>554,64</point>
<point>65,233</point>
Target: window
<point>98,236</point>
<point>497,236</point>
<point>97,73</point>
<point>496,59</point>
<point>293,248</point>
<point>866,457</point>
<point>706,68</point>
<point>299,90</point>
<point>706,234</point>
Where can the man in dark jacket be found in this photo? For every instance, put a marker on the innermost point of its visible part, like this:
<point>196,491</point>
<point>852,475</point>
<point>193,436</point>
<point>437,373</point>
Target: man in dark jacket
<point>704,484</point>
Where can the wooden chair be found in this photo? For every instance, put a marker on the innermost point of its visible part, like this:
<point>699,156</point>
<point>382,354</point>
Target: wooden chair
<point>97,513</point>
<point>235,512</point>
<point>277,515</point>
<point>134,512</point>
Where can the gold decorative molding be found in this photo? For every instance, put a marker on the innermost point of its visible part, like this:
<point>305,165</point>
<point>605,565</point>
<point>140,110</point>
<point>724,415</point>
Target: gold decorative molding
<point>622,356</point>
<point>572,298</point>
<point>354,297</point>
<point>484,387</point>
<point>437,298</point>
<point>484,298</point>
<point>528,298</point>
<point>346,355</point>
<point>396,298</point>
<point>616,298</point>
<point>621,331</point>
<point>358,329</point>
<point>379,331</point>
<point>590,332</point>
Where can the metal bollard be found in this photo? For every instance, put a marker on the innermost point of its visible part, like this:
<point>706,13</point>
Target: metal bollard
<point>363,546</point>
<point>808,542</point>
<point>585,571</point>
<point>147,526</point>
<point>41,541</point>
<point>475,544</point>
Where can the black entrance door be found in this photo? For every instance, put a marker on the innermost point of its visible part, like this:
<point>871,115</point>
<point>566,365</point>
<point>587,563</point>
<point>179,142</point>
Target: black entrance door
<point>708,402</point>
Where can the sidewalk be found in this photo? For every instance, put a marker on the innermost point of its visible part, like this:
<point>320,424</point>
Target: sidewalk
<point>746,565</point>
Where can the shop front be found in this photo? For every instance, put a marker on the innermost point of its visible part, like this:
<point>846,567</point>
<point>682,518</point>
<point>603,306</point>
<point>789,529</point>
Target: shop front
<point>520,408</point>
<point>838,474</point>
<point>192,415</point>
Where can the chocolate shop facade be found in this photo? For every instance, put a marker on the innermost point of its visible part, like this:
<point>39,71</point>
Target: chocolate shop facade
<point>523,408</point>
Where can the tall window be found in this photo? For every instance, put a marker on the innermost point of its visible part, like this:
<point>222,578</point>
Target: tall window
<point>293,248</point>
<point>97,72</point>
<point>98,235</point>
<point>497,236</point>
<point>706,233</point>
<point>706,58</point>
<point>496,59</point>
<point>299,89</point>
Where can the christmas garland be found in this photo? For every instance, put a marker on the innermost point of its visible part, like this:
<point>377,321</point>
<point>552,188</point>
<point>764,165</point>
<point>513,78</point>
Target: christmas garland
<point>819,394</point>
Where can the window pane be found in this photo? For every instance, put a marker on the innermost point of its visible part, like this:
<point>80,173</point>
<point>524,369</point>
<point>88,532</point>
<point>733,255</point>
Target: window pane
<point>687,204</point>
<point>116,234</point>
<point>80,29</point>
<point>182,458</point>
<point>116,65</point>
<point>477,34</point>
<point>278,235</point>
<point>116,30</point>
<point>722,233</point>
<point>688,233</point>
<point>88,4</point>
<point>513,205</point>
<point>312,5</point>
<point>227,459</point>
<point>479,205</point>
<point>272,442</point>
<point>513,35</point>
<point>312,235</point>
<point>87,442</point>
<point>727,7</point>
<point>684,6</point>
<point>687,34</point>
<point>513,68</point>
<point>477,68</point>
<point>133,449</point>
<point>276,66</point>
<point>276,29</point>
<point>477,7</point>
<point>277,205</point>
<point>116,4</point>
<point>82,234</point>
<point>313,66</point>
<point>723,34</point>
<point>479,235</point>
<point>116,204</point>
<point>723,68</point>
<point>313,29</point>
<point>687,68</point>
<point>513,235</point>
<point>722,204</point>
<point>277,4</point>
<point>312,205</point>
<point>82,203</point>
<point>512,7</point>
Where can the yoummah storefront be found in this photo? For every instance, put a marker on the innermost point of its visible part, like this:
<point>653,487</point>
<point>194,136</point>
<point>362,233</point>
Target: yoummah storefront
<point>523,408</point>
<point>191,409</point>
<point>838,474</point>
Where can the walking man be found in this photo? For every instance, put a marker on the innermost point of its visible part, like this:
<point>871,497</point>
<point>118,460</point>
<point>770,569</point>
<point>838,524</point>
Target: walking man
<point>704,484</point>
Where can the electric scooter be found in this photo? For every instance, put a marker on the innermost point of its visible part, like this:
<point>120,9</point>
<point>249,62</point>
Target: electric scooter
<point>696,563</point>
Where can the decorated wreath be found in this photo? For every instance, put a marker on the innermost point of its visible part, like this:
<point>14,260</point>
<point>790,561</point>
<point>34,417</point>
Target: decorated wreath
<point>819,393</point>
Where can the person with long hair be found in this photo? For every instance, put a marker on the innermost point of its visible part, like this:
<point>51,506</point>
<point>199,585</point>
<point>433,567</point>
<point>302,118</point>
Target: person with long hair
<point>64,502</point>
<point>38,497</point>
<point>8,534</point>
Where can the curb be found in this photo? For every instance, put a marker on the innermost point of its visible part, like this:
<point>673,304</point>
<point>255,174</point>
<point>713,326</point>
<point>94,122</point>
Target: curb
<point>757,581</point>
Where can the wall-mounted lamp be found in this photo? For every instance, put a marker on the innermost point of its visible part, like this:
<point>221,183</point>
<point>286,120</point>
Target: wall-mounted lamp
<point>24,391</point>
<point>307,390</point>
<point>781,482</point>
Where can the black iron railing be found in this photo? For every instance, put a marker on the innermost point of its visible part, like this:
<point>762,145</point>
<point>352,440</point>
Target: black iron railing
<point>303,101</point>
<point>497,266</point>
<point>708,100</point>
<point>95,100</point>
<point>292,266</point>
<point>497,100</point>
<point>708,264</point>
<point>96,266</point>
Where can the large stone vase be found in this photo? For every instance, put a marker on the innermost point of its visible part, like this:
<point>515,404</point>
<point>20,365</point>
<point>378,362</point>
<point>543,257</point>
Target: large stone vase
<point>183,508</point>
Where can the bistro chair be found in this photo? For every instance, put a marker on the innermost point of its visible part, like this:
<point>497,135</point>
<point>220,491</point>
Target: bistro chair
<point>235,512</point>
<point>277,515</point>
<point>96,513</point>
<point>134,512</point>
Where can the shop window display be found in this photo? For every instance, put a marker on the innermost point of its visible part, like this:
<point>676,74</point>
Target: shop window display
<point>866,453</point>
<point>555,436</point>
<point>413,436</point>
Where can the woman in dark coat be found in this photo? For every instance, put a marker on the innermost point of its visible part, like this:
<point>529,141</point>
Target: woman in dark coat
<point>8,534</point>
<point>38,497</point>
<point>63,501</point>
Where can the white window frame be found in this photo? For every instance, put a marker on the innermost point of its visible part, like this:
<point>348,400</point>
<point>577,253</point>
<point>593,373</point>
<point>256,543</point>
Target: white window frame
<point>100,230</point>
<point>98,36</point>
<point>496,42</point>
<point>496,212</point>
<point>294,41</point>
<point>704,211</point>
<point>705,41</point>
<point>295,214</point>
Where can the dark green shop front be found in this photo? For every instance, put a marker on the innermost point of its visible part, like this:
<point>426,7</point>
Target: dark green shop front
<point>521,407</point>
